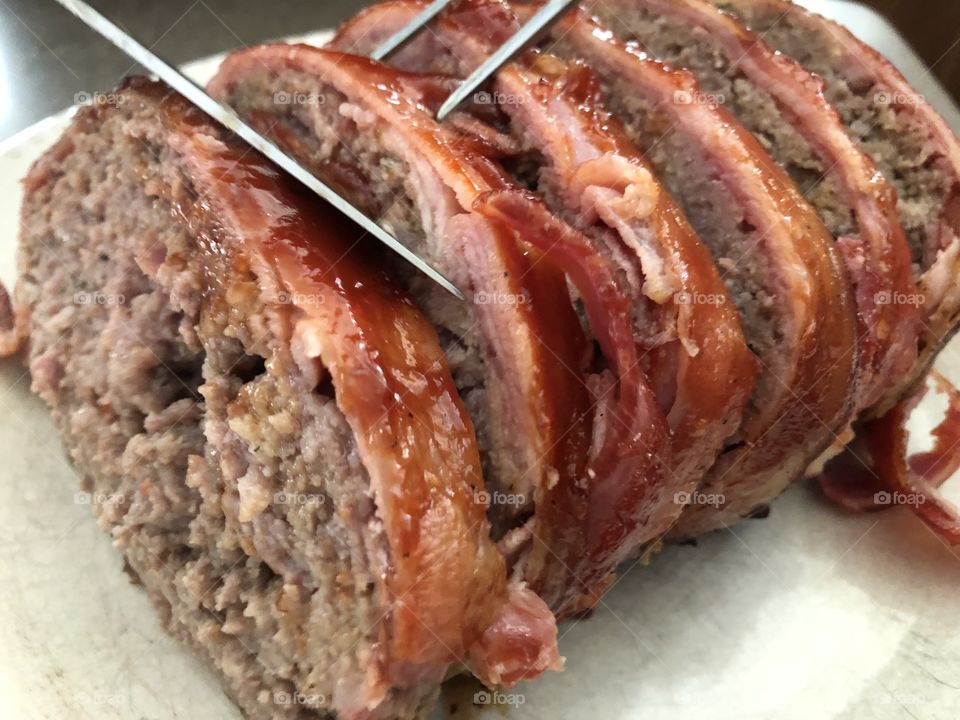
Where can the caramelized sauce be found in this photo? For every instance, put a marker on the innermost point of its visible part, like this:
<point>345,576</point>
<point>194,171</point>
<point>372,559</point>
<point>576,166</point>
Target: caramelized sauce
<point>391,382</point>
<point>552,401</point>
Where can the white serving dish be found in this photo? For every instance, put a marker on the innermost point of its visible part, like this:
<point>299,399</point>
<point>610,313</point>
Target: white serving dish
<point>810,614</point>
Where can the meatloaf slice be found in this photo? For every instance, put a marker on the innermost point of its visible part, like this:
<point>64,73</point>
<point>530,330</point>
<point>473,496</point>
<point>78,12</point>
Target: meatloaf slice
<point>269,429</point>
<point>782,104</point>
<point>776,256</point>
<point>594,468</point>
<point>778,259</point>
<point>911,144</point>
<point>578,157</point>
<point>688,329</point>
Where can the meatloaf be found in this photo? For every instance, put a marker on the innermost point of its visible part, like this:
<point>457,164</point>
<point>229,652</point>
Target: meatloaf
<point>908,141</point>
<point>686,283</point>
<point>599,485</point>
<point>268,427</point>
<point>777,258</point>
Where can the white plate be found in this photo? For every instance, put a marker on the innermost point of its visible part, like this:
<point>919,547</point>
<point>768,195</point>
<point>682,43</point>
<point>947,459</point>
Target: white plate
<point>808,614</point>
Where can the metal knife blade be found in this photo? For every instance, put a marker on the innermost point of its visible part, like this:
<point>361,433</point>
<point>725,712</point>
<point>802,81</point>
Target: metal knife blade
<point>229,119</point>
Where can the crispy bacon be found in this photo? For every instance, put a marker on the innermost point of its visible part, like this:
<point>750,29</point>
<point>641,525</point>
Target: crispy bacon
<point>878,470</point>
<point>604,184</point>
<point>629,497</point>
<point>549,401</point>
<point>448,590</point>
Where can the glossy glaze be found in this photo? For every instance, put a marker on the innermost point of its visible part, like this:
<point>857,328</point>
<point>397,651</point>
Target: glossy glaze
<point>446,582</point>
<point>544,386</point>
<point>877,256</point>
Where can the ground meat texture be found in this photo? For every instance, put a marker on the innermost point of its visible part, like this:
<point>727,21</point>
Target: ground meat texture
<point>325,132</point>
<point>898,142</point>
<point>230,481</point>
<point>723,225</point>
<point>683,45</point>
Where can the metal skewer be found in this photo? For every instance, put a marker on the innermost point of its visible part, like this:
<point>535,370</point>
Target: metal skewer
<point>412,28</point>
<point>542,19</point>
<point>229,119</point>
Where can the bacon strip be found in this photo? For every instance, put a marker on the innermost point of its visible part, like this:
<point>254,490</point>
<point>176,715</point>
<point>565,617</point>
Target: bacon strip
<point>628,496</point>
<point>448,591</point>
<point>877,471</point>
<point>877,256</point>
<point>690,330</point>
<point>549,401</point>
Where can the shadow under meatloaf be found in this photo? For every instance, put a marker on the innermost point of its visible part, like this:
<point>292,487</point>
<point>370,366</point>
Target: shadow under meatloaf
<point>258,415</point>
<point>907,139</point>
<point>777,259</point>
<point>582,434</point>
<point>782,104</point>
<point>576,155</point>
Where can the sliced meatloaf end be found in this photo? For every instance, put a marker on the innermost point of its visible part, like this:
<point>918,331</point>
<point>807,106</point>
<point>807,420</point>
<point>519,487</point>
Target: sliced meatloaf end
<point>778,259</point>
<point>783,105</point>
<point>579,159</point>
<point>266,427</point>
<point>908,140</point>
<point>688,328</point>
<point>591,444</point>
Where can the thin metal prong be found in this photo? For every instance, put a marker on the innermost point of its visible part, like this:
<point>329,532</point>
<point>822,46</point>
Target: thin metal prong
<point>230,120</point>
<point>411,29</point>
<point>505,53</point>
